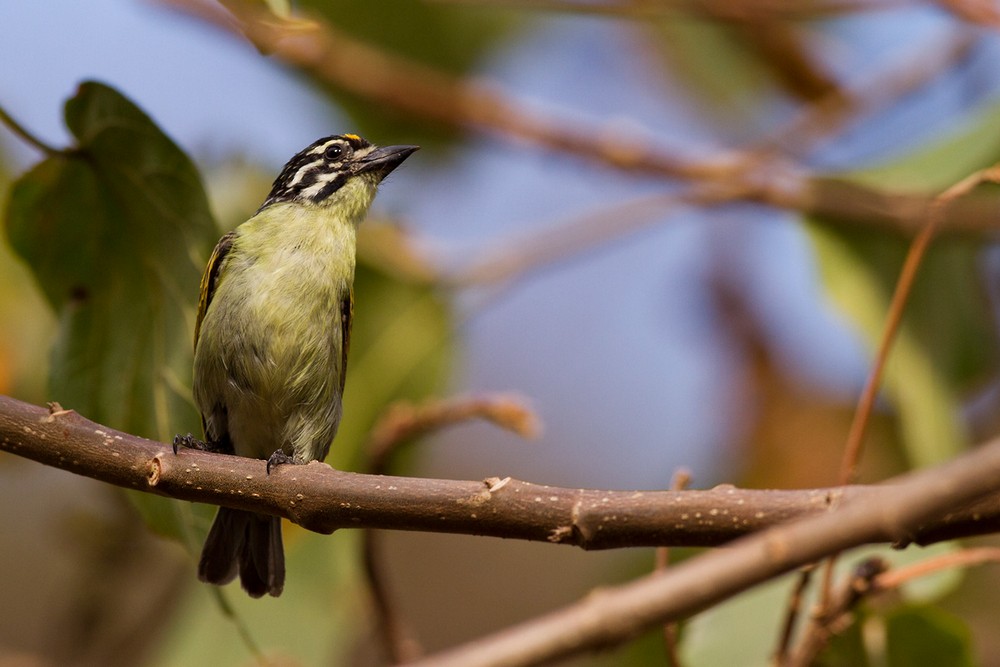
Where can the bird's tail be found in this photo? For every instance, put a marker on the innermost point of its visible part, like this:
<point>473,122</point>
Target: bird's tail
<point>247,544</point>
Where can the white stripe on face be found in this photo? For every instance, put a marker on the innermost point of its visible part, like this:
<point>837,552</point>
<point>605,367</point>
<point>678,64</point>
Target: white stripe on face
<point>321,182</point>
<point>303,170</point>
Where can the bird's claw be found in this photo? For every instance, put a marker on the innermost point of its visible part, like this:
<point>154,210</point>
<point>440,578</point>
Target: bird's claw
<point>278,458</point>
<point>190,442</point>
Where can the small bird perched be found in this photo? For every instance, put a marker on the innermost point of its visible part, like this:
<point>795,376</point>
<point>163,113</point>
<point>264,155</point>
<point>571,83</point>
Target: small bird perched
<point>272,334</point>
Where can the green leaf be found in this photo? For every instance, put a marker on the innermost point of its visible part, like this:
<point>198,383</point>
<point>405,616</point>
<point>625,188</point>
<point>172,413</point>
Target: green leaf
<point>916,378</point>
<point>948,339</point>
<point>846,648</point>
<point>725,77</point>
<point>321,613</point>
<point>751,621</point>
<point>116,230</point>
<point>924,635</point>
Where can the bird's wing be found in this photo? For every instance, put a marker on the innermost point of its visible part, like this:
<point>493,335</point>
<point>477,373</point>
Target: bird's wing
<point>346,320</point>
<point>210,278</point>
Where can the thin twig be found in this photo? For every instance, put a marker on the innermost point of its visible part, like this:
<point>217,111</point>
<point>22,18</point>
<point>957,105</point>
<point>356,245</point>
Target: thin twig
<point>397,636</point>
<point>896,577</point>
<point>835,617</point>
<point>25,135</point>
<point>402,423</point>
<point>873,577</point>
<point>792,611</point>
<point>866,401</point>
<point>914,257</point>
<point>980,12</point>
<point>506,261</point>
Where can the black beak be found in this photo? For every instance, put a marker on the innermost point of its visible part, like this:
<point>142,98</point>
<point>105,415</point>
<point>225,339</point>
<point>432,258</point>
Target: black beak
<point>383,160</point>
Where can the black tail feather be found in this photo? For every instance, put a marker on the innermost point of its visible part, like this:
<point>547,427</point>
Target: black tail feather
<point>245,543</point>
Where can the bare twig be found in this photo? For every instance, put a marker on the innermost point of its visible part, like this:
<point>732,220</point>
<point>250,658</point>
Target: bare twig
<point>514,258</point>
<point>836,616</point>
<point>398,638</point>
<point>870,578</point>
<point>866,401</point>
<point>681,481</point>
<point>980,12</point>
<point>896,577</point>
<point>404,421</point>
<point>26,136</point>
<point>792,611</point>
<point>401,423</point>
<point>869,92</point>
<point>914,257</point>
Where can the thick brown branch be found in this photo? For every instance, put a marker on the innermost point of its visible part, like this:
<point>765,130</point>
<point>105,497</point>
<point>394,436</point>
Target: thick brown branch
<point>322,499</point>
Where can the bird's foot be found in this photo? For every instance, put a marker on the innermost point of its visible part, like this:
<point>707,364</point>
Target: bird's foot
<point>192,442</point>
<point>280,458</point>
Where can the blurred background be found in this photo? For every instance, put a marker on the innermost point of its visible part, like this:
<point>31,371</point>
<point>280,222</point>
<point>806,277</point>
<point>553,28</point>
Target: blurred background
<point>672,228</point>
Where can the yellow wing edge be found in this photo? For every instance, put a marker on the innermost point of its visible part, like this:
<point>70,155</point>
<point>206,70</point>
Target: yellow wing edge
<point>210,279</point>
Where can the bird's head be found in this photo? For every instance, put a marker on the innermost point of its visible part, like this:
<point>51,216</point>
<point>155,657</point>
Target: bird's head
<point>342,170</point>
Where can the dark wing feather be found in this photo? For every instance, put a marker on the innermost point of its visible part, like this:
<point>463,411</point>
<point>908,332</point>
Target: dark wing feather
<point>210,278</point>
<point>346,321</point>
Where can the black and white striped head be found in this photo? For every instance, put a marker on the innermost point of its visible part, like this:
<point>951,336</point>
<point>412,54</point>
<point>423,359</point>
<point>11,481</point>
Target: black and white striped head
<point>327,165</point>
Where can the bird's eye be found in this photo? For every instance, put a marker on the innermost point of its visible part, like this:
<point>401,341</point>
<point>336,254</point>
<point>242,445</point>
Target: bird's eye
<point>333,152</point>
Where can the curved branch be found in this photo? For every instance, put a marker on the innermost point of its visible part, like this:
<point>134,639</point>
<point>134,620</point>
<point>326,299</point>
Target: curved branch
<point>322,499</point>
<point>421,91</point>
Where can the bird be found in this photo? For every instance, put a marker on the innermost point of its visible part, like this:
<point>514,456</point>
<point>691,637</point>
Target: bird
<point>272,334</point>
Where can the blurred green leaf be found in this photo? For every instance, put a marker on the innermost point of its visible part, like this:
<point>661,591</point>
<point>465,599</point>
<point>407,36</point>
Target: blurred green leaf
<point>750,622</point>
<point>401,348</point>
<point>445,36</point>
<point>321,612</point>
<point>914,379</point>
<point>846,649</point>
<point>25,319</point>
<point>115,231</point>
<point>282,8</point>
<point>924,635</point>
<point>728,79</point>
<point>930,587</point>
<point>743,630</point>
<point>948,338</point>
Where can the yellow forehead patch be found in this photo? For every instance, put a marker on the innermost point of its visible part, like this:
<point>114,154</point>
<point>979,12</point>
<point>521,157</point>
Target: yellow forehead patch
<point>352,137</point>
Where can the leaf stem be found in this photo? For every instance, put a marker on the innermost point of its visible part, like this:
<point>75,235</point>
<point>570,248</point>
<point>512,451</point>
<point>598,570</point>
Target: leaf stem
<point>25,135</point>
